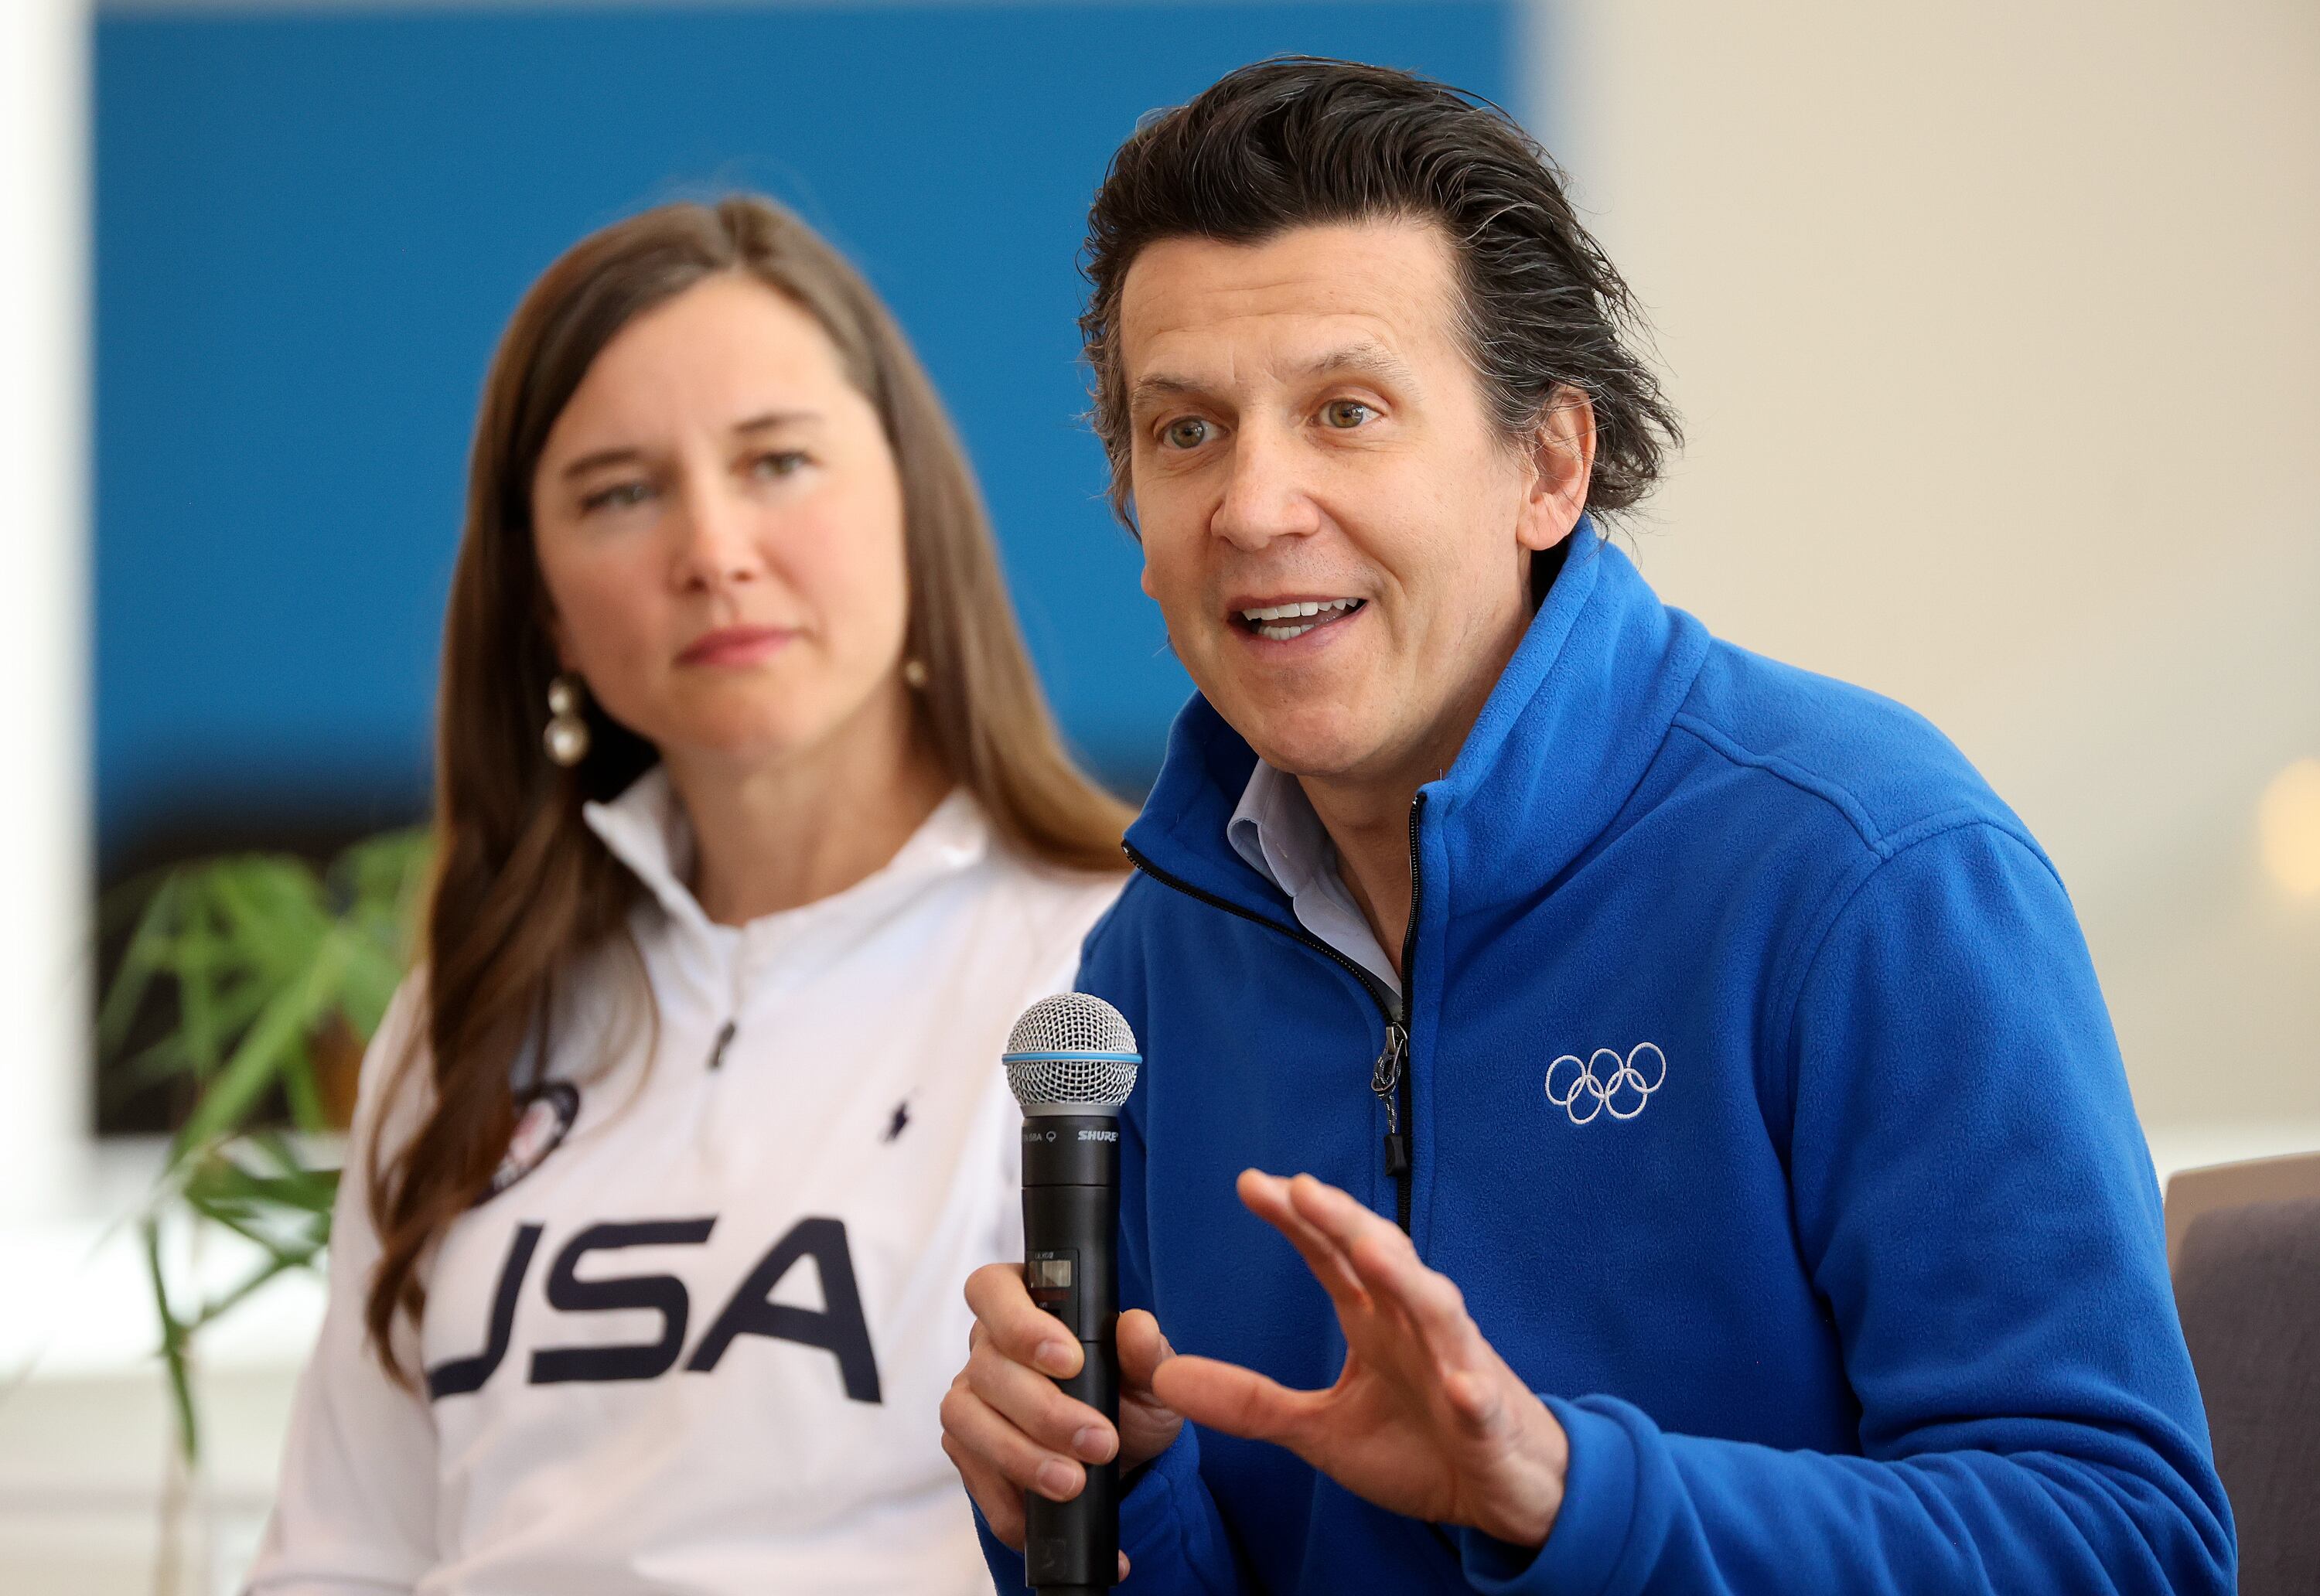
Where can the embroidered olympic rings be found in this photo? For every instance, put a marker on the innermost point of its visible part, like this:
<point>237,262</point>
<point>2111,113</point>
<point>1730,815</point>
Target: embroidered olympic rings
<point>1619,1085</point>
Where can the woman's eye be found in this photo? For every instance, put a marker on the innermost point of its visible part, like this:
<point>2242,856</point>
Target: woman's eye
<point>1189,432</point>
<point>621,496</point>
<point>778,463</point>
<point>1345,413</point>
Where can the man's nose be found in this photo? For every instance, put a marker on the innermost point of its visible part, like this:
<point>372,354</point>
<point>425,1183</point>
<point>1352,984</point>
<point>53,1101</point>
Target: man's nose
<point>1265,495</point>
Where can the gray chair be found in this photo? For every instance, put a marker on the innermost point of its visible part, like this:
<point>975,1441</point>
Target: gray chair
<point>2245,1249</point>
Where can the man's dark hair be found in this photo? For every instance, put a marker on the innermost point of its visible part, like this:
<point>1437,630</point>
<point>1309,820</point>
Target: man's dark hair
<point>1302,140</point>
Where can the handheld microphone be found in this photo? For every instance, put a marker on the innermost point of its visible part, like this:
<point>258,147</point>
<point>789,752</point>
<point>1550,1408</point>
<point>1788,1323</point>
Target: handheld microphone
<point>1071,1063</point>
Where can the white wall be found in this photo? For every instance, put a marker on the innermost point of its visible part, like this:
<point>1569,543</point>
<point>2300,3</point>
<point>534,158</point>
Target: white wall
<point>1996,330</point>
<point>44,876</point>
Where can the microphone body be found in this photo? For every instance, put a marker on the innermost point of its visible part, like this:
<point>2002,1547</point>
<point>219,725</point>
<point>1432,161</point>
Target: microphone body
<point>1071,1063</point>
<point>1071,1219</point>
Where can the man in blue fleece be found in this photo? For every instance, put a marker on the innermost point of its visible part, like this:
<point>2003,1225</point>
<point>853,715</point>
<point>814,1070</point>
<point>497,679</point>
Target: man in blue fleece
<point>1720,1174</point>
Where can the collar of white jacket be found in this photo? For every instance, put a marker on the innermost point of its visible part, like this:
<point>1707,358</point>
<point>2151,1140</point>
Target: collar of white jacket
<point>645,828</point>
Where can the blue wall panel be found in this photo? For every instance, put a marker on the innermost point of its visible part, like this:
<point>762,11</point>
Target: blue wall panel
<point>311,225</point>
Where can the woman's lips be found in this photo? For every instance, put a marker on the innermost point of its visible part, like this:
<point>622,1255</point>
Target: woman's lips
<point>736,645</point>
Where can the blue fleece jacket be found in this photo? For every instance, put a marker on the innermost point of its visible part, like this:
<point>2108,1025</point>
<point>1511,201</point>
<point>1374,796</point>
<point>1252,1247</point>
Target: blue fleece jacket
<point>1758,1093</point>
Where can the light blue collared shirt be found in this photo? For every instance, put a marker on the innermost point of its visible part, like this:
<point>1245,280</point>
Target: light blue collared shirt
<point>1274,829</point>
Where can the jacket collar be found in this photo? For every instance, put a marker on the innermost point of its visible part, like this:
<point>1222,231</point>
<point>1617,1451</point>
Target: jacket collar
<point>1562,742</point>
<point>645,828</point>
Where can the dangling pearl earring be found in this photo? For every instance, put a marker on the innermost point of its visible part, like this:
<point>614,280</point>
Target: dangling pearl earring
<point>567,736</point>
<point>914,674</point>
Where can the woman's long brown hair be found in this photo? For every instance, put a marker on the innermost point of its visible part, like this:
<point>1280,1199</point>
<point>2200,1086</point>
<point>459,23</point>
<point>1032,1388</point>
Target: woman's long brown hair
<point>522,887</point>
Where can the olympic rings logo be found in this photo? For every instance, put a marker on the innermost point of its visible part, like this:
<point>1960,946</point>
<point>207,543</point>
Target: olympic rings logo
<point>1605,1082</point>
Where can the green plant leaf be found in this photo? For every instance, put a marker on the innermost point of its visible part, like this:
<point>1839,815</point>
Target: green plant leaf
<point>173,1346</point>
<point>300,1092</point>
<point>311,1187</point>
<point>144,958</point>
<point>257,1061</point>
<point>230,1011</point>
<point>281,1264</point>
<point>372,975</point>
<point>261,954</point>
<point>285,1188</point>
<point>271,909</point>
<point>192,956</point>
<point>248,1221</point>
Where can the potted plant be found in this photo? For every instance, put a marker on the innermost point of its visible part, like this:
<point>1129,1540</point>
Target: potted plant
<point>252,982</point>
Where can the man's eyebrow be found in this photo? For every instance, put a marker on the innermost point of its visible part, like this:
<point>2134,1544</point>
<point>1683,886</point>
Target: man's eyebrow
<point>625,455</point>
<point>1365,358</point>
<point>1161,385</point>
<point>1371,359</point>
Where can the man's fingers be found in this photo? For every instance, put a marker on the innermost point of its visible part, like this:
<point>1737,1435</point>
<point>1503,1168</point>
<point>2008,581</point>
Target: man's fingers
<point>1000,1499</point>
<point>1365,1262</point>
<point>1021,1330</point>
<point>1142,1350</point>
<point>1267,1196</point>
<point>987,1433</point>
<point>1428,1301</point>
<point>1334,1212</point>
<point>1390,1270</point>
<point>1029,1401</point>
<point>1236,1401</point>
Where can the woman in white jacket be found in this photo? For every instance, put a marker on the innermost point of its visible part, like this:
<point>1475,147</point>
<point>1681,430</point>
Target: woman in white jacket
<point>754,837</point>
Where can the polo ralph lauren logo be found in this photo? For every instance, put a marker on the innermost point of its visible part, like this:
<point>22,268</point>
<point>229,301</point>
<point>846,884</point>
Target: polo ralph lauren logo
<point>1605,1082</point>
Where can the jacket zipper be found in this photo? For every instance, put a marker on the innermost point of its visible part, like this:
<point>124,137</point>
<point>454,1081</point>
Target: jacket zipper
<point>1391,1077</point>
<point>732,1023</point>
<point>1388,1079</point>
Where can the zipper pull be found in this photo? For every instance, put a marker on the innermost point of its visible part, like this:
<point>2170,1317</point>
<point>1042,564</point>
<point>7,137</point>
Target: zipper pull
<point>1385,1077</point>
<point>724,1040</point>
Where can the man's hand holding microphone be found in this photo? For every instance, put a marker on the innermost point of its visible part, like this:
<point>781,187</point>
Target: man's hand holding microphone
<point>1425,1418</point>
<point>1007,1426</point>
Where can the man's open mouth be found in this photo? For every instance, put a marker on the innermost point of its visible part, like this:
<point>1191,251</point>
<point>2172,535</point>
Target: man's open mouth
<point>1280,622</point>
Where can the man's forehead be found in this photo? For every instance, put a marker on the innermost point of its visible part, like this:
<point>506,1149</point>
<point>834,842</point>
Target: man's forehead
<point>1299,294</point>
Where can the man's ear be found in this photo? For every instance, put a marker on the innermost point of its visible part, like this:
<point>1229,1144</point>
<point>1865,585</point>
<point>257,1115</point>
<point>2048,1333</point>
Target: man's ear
<point>1143,550</point>
<point>1561,463</point>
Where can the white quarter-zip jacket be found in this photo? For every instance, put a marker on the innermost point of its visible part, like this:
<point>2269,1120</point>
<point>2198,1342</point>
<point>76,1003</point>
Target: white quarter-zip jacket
<point>697,1338</point>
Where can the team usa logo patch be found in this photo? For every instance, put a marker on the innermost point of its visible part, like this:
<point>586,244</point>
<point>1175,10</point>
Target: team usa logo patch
<point>544,1117</point>
<point>1605,1082</point>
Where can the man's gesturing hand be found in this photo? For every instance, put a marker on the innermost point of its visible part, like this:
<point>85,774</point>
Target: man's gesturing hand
<point>1426,1419</point>
<point>1009,1430</point>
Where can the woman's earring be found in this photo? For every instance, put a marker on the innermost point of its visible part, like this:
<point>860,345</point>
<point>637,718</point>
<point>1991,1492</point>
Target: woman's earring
<point>914,674</point>
<point>567,736</point>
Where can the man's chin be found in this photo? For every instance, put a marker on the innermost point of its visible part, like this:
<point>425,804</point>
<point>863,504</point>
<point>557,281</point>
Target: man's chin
<point>1320,747</point>
<point>1310,729</point>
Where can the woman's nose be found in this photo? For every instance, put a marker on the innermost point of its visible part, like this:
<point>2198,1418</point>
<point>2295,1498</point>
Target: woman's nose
<point>715,539</point>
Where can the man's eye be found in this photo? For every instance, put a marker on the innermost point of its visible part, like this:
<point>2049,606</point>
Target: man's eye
<point>1190,432</point>
<point>778,463</point>
<point>1345,413</point>
<point>621,496</point>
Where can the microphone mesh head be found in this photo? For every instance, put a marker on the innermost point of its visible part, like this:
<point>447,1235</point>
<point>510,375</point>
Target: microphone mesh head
<point>1071,1048</point>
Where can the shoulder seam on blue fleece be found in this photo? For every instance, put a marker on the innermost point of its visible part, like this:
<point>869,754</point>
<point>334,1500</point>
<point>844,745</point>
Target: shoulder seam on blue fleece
<point>1833,793</point>
<point>1831,913</point>
<point>1839,797</point>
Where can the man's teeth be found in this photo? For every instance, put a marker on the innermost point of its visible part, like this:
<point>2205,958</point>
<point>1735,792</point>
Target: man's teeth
<point>1291,612</point>
<point>1281,622</point>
